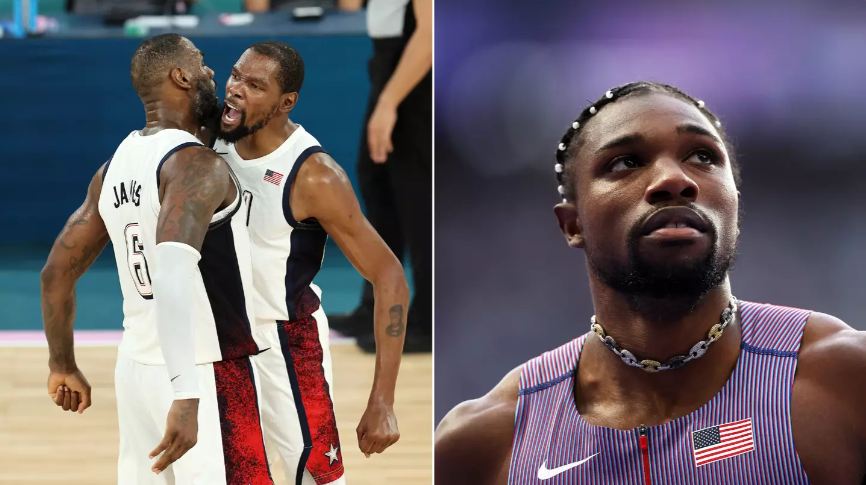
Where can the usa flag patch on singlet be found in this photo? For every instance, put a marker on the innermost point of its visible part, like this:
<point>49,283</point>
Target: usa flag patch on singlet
<point>273,177</point>
<point>723,441</point>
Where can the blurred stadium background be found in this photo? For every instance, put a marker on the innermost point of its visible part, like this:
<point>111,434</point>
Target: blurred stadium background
<point>69,102</point>
<point>786,78</point>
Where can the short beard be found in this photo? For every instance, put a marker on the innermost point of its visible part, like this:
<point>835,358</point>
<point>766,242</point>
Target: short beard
<point>664,290</point>
<point>206,106</point>
<point>242,131</point>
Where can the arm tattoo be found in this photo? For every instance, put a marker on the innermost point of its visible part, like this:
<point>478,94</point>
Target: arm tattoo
<point>198,179</point>
<point>188,411</point>
<point>66,263</point>
<point>396,328</point>
<point>60,341</point>
<point>167,225</point>
<point>77,266</point>
<point>77,222</point>
<point>191,200</point>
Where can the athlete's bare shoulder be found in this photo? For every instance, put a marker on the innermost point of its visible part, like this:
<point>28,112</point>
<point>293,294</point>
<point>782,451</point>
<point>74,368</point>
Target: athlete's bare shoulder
<point>322,190</point>
<point>834,355</point>
<point>320,169</point>
<point>828,415</point>
<point>473,442</point>
<point>201,172</point>
<point>195,183</point>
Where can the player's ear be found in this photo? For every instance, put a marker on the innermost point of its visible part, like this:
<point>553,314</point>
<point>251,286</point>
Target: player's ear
<point>181,78</point>
<point>287,102</point>
<point>569,224</point>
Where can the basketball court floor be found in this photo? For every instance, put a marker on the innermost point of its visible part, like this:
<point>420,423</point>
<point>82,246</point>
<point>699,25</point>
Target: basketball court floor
<point>42,445</point>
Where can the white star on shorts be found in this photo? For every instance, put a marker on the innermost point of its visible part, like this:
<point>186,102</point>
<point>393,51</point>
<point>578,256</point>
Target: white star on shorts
<point>332,455</point>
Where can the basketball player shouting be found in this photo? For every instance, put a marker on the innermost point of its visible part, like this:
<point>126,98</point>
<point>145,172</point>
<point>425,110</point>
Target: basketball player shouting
<point>297,197</point>
<point>170,207</point>
<point>677,382</point>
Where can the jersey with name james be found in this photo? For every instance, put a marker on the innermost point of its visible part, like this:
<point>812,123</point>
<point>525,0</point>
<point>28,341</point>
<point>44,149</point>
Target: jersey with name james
<point>222,307</point>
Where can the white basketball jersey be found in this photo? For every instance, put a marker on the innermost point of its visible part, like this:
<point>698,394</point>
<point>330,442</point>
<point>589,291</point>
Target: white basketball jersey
<point>286,253</point>
<point>129,204</point>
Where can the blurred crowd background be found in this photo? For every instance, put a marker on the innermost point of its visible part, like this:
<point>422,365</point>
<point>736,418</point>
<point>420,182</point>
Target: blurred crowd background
<point>784,76</point>
<point>68,103</point>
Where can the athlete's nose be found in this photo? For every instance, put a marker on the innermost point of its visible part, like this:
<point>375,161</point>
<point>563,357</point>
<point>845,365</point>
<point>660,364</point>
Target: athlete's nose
<point>233,90</point>
<point>669,182</point>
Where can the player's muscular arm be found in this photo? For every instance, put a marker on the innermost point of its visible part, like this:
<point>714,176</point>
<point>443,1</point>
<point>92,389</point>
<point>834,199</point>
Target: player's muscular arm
<point>194,183</point>
<point>75,249</point>
<point>473,442</point>
<point>828,410</point>
<point>323,191</point>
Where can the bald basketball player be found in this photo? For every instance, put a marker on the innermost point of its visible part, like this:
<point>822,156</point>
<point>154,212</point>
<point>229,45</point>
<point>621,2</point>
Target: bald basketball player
<point>677,381</point>
<point>185,380</point>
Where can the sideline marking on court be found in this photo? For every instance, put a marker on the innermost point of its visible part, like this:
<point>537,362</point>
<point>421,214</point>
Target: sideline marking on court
<point>97,338</point>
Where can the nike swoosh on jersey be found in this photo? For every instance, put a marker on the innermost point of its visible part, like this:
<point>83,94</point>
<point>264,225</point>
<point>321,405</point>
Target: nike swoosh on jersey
<point>544,473</point>
<point>175,377</point>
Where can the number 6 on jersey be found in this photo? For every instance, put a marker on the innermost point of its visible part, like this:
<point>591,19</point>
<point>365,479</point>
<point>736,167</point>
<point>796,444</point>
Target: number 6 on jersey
<point>137,262</point>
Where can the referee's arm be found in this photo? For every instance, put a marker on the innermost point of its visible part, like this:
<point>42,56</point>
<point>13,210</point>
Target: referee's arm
<point>417,58</point>
<point>415,63</point>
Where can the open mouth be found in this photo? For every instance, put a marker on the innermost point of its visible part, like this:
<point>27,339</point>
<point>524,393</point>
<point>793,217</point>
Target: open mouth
<point>231,115</point>
<point>675,222</point>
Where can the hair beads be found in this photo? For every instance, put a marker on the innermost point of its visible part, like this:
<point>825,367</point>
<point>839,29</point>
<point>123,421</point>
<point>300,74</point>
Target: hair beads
<point>563,174</point>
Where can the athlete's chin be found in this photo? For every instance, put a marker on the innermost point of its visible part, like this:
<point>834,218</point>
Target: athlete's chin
<point>230,134</point>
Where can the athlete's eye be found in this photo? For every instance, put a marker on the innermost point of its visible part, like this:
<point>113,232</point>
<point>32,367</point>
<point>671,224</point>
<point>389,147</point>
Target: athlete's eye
<point>625,162</point>
<point>704,156</point>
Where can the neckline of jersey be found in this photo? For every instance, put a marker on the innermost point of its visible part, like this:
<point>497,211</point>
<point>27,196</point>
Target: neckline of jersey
<point>233,153</point>
<point>687,418</point>
<point>137,137</point>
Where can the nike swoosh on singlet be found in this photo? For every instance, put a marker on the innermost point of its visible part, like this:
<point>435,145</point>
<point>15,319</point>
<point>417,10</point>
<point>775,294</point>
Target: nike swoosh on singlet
<point>175,377</point>
<point>544,473</point>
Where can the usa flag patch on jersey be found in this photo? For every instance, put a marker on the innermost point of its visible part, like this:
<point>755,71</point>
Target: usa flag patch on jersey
<point>273,177</point>
<point>723,441</point>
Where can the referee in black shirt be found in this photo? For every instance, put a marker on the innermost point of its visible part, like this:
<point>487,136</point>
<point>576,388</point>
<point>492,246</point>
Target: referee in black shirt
<point>396,158</point>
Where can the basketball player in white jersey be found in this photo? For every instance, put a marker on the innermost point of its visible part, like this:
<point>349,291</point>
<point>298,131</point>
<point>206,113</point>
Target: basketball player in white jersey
<point>185,382</point>
<point>297,197</point>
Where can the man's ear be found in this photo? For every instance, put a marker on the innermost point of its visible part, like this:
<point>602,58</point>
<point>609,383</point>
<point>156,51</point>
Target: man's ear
<point>180,78</point>
<point>569,224</point>
<point>288,101</point>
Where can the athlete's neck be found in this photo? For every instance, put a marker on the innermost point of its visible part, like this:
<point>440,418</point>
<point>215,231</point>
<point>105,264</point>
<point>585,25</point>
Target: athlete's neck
<point>657,329</point>
<point>603,378</point>
<point>163,114</point>
<point>266,140</point>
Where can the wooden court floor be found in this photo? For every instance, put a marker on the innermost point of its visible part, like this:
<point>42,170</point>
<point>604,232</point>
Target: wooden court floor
<point>42,445</point>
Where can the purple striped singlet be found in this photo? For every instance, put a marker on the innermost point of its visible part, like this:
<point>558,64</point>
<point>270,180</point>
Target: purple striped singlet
<point>550,436</point>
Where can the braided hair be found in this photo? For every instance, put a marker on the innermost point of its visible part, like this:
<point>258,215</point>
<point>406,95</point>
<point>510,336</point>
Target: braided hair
<point>570,140</point>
